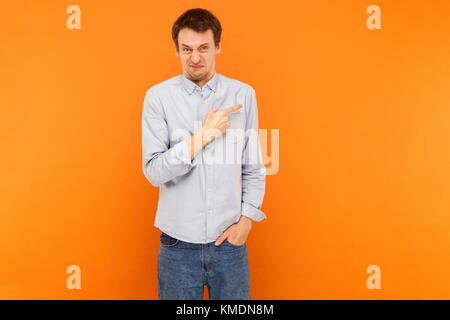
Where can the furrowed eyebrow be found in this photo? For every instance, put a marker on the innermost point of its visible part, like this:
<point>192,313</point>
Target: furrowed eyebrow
<point>185,45</point>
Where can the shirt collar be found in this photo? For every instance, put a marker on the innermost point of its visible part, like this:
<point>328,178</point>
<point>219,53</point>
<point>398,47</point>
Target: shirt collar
<point>191,86</point>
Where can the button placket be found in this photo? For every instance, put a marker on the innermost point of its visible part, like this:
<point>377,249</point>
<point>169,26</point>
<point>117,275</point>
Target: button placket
<point>209,194</point>
<point>209,182</point>
<point>209,168</point>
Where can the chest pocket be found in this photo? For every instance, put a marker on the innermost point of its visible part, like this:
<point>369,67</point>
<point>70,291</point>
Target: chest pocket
<point>236,130</point>
<point>227,148</point>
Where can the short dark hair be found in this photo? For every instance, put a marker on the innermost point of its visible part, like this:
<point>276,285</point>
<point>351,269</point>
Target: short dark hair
<point>199,20</point>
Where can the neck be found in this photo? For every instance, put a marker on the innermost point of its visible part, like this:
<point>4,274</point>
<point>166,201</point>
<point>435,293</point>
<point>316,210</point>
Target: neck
<point>202,82</point>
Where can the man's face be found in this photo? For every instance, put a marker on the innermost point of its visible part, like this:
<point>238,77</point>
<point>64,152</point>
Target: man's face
<point>197,53</point>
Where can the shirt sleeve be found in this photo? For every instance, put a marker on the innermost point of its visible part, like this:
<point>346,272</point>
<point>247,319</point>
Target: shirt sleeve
<point>253,169</point>
<point>161,163</point>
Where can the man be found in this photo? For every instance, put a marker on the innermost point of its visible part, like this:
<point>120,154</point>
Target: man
<point>205,208</point>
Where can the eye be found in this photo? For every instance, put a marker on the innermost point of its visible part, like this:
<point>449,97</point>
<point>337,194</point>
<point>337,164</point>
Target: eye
<point>184,49</point>
<point>205,47</point>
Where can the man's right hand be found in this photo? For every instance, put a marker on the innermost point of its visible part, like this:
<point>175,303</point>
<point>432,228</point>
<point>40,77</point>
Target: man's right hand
<point>216,122</point>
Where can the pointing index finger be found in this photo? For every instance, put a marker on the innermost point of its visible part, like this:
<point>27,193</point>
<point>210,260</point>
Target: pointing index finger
<point>233,108</point>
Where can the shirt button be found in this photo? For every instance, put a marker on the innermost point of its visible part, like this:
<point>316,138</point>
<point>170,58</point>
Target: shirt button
<point>209,167</point>
<point>209,189</point>
<point>204,101</point>
<point>209,211</point>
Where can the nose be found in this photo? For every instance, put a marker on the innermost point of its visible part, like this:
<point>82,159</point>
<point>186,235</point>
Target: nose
<point>195,57</point>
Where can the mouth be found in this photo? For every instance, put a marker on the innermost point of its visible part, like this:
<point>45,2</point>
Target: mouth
<point>196,67</point>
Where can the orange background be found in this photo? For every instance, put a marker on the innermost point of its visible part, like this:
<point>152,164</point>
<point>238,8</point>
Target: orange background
<point>364,123</point>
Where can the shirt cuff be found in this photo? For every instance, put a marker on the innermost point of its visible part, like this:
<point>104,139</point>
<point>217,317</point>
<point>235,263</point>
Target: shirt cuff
<point>182,154</point>
<point>251,212</point>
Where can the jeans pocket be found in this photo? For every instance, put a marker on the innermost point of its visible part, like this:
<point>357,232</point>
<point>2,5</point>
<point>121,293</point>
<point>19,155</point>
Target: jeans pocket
<point>235,246</point>
<point>167,241</point>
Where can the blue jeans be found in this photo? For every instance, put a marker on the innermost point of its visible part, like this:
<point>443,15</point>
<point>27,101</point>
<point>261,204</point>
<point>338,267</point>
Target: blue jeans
<point>184,268</point>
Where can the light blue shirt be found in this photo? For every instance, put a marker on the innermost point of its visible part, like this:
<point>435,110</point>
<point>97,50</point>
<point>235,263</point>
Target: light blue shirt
<point>200,199</point>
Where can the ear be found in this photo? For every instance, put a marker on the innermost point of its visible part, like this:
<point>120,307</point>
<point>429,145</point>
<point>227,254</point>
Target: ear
<point>218,48</point>
<point>176,51</point>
